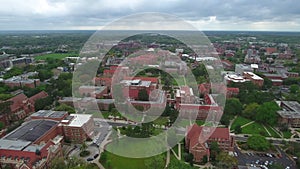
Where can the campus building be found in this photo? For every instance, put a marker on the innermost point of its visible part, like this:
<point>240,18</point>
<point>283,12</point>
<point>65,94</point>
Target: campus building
<point>23,81</point>
<point>198,140</point>
<point>33,145</point>
<point>290,113</point>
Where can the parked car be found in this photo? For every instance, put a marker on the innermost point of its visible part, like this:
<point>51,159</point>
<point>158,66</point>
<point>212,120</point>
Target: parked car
<point>89,159</point>
<point>96,155</point>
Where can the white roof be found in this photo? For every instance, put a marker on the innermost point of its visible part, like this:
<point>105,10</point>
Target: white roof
<point>79,119</point>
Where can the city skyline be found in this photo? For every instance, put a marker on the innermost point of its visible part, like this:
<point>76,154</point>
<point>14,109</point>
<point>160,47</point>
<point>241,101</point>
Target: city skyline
<point>204,15</point>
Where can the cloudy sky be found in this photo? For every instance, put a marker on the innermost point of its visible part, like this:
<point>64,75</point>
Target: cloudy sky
<point>270,15</point>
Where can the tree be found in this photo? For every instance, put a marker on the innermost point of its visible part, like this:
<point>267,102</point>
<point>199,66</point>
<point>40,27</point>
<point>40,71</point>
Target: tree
<point>258,143</point>
<point>224,160</point>
<point>143,95</point>
<point>233,106</point>
<point>214,150</point>
<point>294,88</point>
<point>189,157</point>
<point>238,129</point>
<point>250,111</point>
<point>42,103</point>
<point>1,125</point>
<point>64,107</point>
<point>267,113</point>
<point>83,146</point>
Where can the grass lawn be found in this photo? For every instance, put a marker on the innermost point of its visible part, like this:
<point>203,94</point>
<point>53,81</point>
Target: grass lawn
<point>105,114</point>
<point>254,128</point>
<point>287,134</point>
<point>272,132</point>
<point>239,121</point>
<point>200,122</point>
<point>55,56</point>
<point>119,162</point>
<point>161,121</point>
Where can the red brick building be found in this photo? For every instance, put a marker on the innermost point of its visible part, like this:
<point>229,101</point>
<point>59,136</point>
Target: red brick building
<point>205,88</point>
<point>188,105</point>
<point>32,145</point>
<point>78,127</point>
<point>21,106</point>
<point>131,88</point>
<point>198,140</point>
<point>93,91</point>
<point>88,102</point>
<point>254,78</point>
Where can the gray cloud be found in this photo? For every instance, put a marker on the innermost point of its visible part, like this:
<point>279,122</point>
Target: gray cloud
<point>205,14</point>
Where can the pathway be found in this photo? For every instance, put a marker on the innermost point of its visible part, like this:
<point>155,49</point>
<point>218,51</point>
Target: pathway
<point>267,130</point>
<point>247,124</point>
<point>168,159</point>
<point>231,122</point>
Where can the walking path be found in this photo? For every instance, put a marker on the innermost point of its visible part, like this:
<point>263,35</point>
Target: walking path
<point>267,130</point>
<point>231,122</point>
<point>247,124</point>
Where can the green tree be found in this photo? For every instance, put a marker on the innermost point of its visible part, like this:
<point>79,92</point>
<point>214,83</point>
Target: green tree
<point>64,107</point>
<point>42,103</point>
<point>233,106</point>
<point>1,125</point>
<point>238,129</point>
<point>250,111</point>
<point>224,160</point>
<point>143,95</point>
<point>294,88</point>
<point>214,150</point>
<point>258,143</point>
<point>267,113</point>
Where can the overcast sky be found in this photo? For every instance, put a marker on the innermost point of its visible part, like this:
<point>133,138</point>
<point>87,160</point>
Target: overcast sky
<point>264,15</point>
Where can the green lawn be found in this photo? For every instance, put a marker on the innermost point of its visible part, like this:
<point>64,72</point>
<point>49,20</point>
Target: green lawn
<point>200,122</point>
<point>287,134</point>
<point>272,132</point>
<point>119,162</point>
<point>55,56</point>
<point>239,121</point>
<point>254,128</point>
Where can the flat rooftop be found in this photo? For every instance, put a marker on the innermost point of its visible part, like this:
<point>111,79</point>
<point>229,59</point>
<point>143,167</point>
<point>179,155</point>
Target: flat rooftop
<point>291,109</point>
<point>31,131</point>
<point>79,119</point>
<point>291,106</point>
<point>49,114</point>
<point>136,82</point>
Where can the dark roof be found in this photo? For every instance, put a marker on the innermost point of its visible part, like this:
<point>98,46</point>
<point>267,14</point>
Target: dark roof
<point>31,130</point>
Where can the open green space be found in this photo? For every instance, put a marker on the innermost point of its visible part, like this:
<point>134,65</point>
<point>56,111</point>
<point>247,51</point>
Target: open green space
<point>118,162</point>
<point>272,132</point>
<point>55,56</point>
<point>239,121</point>
<point>287,134</point>
<point>254,128</point>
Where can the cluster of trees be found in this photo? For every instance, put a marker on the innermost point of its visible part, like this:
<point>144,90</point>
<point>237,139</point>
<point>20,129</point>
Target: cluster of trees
<point>42,41</point>
<point>71,163</point>
<point>146,130</point>
<point>258,143</point>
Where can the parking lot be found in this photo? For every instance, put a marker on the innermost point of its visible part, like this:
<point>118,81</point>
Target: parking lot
<point>263,159</point>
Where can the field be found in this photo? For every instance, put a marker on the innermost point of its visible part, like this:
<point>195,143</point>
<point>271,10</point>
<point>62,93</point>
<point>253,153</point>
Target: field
<point>118,162</point>
<point>254,128</point>
<point>272,132</point>
<point>239,121</point>
<point>55,56</point>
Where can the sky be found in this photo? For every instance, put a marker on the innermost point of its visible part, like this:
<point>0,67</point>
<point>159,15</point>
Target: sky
<point>248,15</point>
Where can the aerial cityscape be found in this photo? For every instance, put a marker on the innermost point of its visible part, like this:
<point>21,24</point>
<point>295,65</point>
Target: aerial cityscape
<point>140,89</point>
